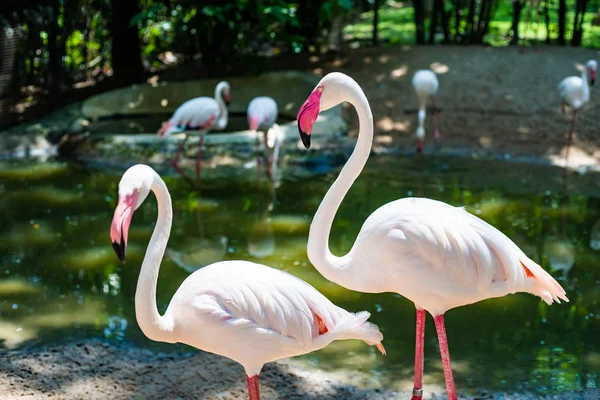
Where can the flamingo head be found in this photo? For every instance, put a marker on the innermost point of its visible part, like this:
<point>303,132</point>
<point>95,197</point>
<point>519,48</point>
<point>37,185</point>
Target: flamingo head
<point>227,97</point>
<point>166,129</point>
<point>420,146</point>
<point>308,113</point>
<point>592,66</point>
<point>133,190</point>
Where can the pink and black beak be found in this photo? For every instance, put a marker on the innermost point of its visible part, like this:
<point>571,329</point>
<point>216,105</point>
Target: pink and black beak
<point>593,75</point>
<point>120,224</point>
<point>307,115</point>
<point>227,99</point>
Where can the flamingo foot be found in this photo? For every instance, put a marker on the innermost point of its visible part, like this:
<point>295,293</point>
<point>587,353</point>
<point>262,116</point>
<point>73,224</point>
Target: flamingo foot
<point>445,353</point>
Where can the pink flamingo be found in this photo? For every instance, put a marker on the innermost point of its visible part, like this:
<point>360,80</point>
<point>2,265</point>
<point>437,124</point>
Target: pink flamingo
<point>196,117</point>
<point>426,85</point>
<point>574,92</point>
<point>436,255</point>
<point>247,312</point>
<point>262,117</point>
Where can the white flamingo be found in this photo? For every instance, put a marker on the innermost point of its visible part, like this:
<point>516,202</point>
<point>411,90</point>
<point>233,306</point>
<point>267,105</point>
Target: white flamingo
<point>196,117</point>
<point>262,117</point>
<point>436,255</point>
<point>426,85</point>
<point>247,312</point>
<point>574,92</point>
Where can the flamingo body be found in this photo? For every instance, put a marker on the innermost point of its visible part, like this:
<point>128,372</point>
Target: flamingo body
<point>436,255</point>
<point>426,85</point>
<point>262,117</point>
<point>247,312</point>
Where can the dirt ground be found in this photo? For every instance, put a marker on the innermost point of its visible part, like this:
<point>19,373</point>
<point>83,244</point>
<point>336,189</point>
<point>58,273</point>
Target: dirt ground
<point>96,370</point>
<point>493,101</point>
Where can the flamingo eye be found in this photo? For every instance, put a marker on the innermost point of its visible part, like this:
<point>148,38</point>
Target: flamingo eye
<point>320,89</point>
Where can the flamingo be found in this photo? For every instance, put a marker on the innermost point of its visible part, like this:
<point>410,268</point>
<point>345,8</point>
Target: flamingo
<point>426,85</point>
<point>436,255</point>
<point>262,117</point>
<point>247,312</point>
<point>574,92</point>
<point>196,117</point>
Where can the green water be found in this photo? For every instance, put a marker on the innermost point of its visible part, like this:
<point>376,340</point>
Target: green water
<point>59,278</point>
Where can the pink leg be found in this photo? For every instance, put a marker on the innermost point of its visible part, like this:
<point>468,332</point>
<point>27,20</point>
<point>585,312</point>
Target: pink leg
<point>441,331</point>
<point>253,387</point>
<point>199,158</point>
<point>562,108</point>
<point>175,162</point>
<point>419,353</point>
<point>436,131</point>
<point>267,163</point>
<point>257,145</point>
<point>419,146</point>
<point>571,130</point>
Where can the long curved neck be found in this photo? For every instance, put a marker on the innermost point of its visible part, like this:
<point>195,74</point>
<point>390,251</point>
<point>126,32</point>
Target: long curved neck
<point>155,326</point>
<point>329,265</point>
<point>586,85</point>
<point>223,112</point>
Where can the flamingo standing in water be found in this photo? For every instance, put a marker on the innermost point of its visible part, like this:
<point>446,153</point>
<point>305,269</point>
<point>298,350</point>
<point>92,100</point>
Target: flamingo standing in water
<point>262,117</point>
<point>247,312</point>
<point>436,255</point>
<point>426,85</point>
<point>196,117</point>
<point>574,92</point>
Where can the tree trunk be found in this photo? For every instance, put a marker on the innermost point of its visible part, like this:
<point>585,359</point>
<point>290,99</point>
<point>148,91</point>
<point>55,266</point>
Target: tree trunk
<point>444,21</point>
<point>433,21</point>
<point>54,72</point>
<point>125,51</point>
<point>562,22</point>
<point>578,23</point>
<point>375,23</point>
<point>471,19</point>
<point>517,8</point>
<point>419,21</point>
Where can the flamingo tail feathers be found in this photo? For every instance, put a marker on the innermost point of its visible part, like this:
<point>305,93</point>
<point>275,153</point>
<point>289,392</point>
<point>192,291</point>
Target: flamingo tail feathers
<point>541,283</point>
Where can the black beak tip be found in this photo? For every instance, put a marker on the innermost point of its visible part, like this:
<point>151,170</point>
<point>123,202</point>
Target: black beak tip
<point>227,102</point>
<point>119,251</point>
<point>593,81</point>
<point>305,138</point>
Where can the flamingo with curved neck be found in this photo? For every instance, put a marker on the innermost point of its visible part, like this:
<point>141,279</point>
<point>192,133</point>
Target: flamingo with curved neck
<point>436,255</point>
<point>247,312</point>
<point>196,117</point>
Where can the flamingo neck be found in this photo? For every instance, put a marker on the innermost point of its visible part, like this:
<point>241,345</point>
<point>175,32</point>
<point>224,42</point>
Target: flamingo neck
<point>155,326</point>
<point>223,111</point>
<point>329,265</point>
<point>586,86</point>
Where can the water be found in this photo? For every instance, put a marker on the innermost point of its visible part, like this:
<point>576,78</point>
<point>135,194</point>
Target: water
<point>60,279</point>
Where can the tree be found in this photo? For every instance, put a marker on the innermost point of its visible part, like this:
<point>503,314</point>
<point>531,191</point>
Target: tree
<point>580,9</point>
<point>125,52</point>
<point>419,21</point>
<point>517,8</point>
<point>562,22</point>
<point>375,22</point>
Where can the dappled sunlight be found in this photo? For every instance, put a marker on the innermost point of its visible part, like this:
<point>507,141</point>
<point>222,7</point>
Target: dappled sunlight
<point>387,124</point>
<point>289,223</point>
<point>439,68</point>
<point>17,286</point>
<point>399,72</point>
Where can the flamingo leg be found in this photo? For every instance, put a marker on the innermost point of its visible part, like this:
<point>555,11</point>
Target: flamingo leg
<point>266,155</point>
<point>175,162</point>
<point>570,139</point>
<point>253,387</point>
<point>419,353</point>
<point>445,353</point>
<point>199,158</point>
<point>257,146</point>
<point>436,131</point>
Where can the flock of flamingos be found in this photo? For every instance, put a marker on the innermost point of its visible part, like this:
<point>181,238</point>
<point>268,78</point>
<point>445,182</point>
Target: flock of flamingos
<point>436,255</point>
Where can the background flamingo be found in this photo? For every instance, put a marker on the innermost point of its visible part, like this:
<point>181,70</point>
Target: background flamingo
<point>262,117</point>
<point>196,117</point>
<point>436,255</point>
<point>247,312</point>
<point>426,85</point>
<point>574,92</point>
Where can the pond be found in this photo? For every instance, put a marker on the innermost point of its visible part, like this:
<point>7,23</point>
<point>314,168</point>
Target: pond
<point>60,279</point>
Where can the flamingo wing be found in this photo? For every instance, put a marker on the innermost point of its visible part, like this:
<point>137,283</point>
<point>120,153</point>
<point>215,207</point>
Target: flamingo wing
<point>199,113</point>
<point>570,90</point>
<point>262,112</point>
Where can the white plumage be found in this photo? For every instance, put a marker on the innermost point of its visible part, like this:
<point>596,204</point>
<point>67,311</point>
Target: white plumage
<point>426,85</point>
<point>247,312</point>
<point>262,117</point>
<point>436,255</point>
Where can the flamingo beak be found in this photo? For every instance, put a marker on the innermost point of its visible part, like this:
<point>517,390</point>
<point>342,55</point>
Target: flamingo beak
<point>120,224</point>
<point>227,99</point>
<point>419,146</point>
<point>307,115</point>
<point>254,122</point>
<point>593,77</point>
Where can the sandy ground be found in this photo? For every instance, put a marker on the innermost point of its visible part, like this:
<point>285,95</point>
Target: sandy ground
<point>493,100</point>
<point>97,370</point>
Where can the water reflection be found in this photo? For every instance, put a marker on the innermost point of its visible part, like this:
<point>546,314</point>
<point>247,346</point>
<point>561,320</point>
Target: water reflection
<point>60,280</point>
